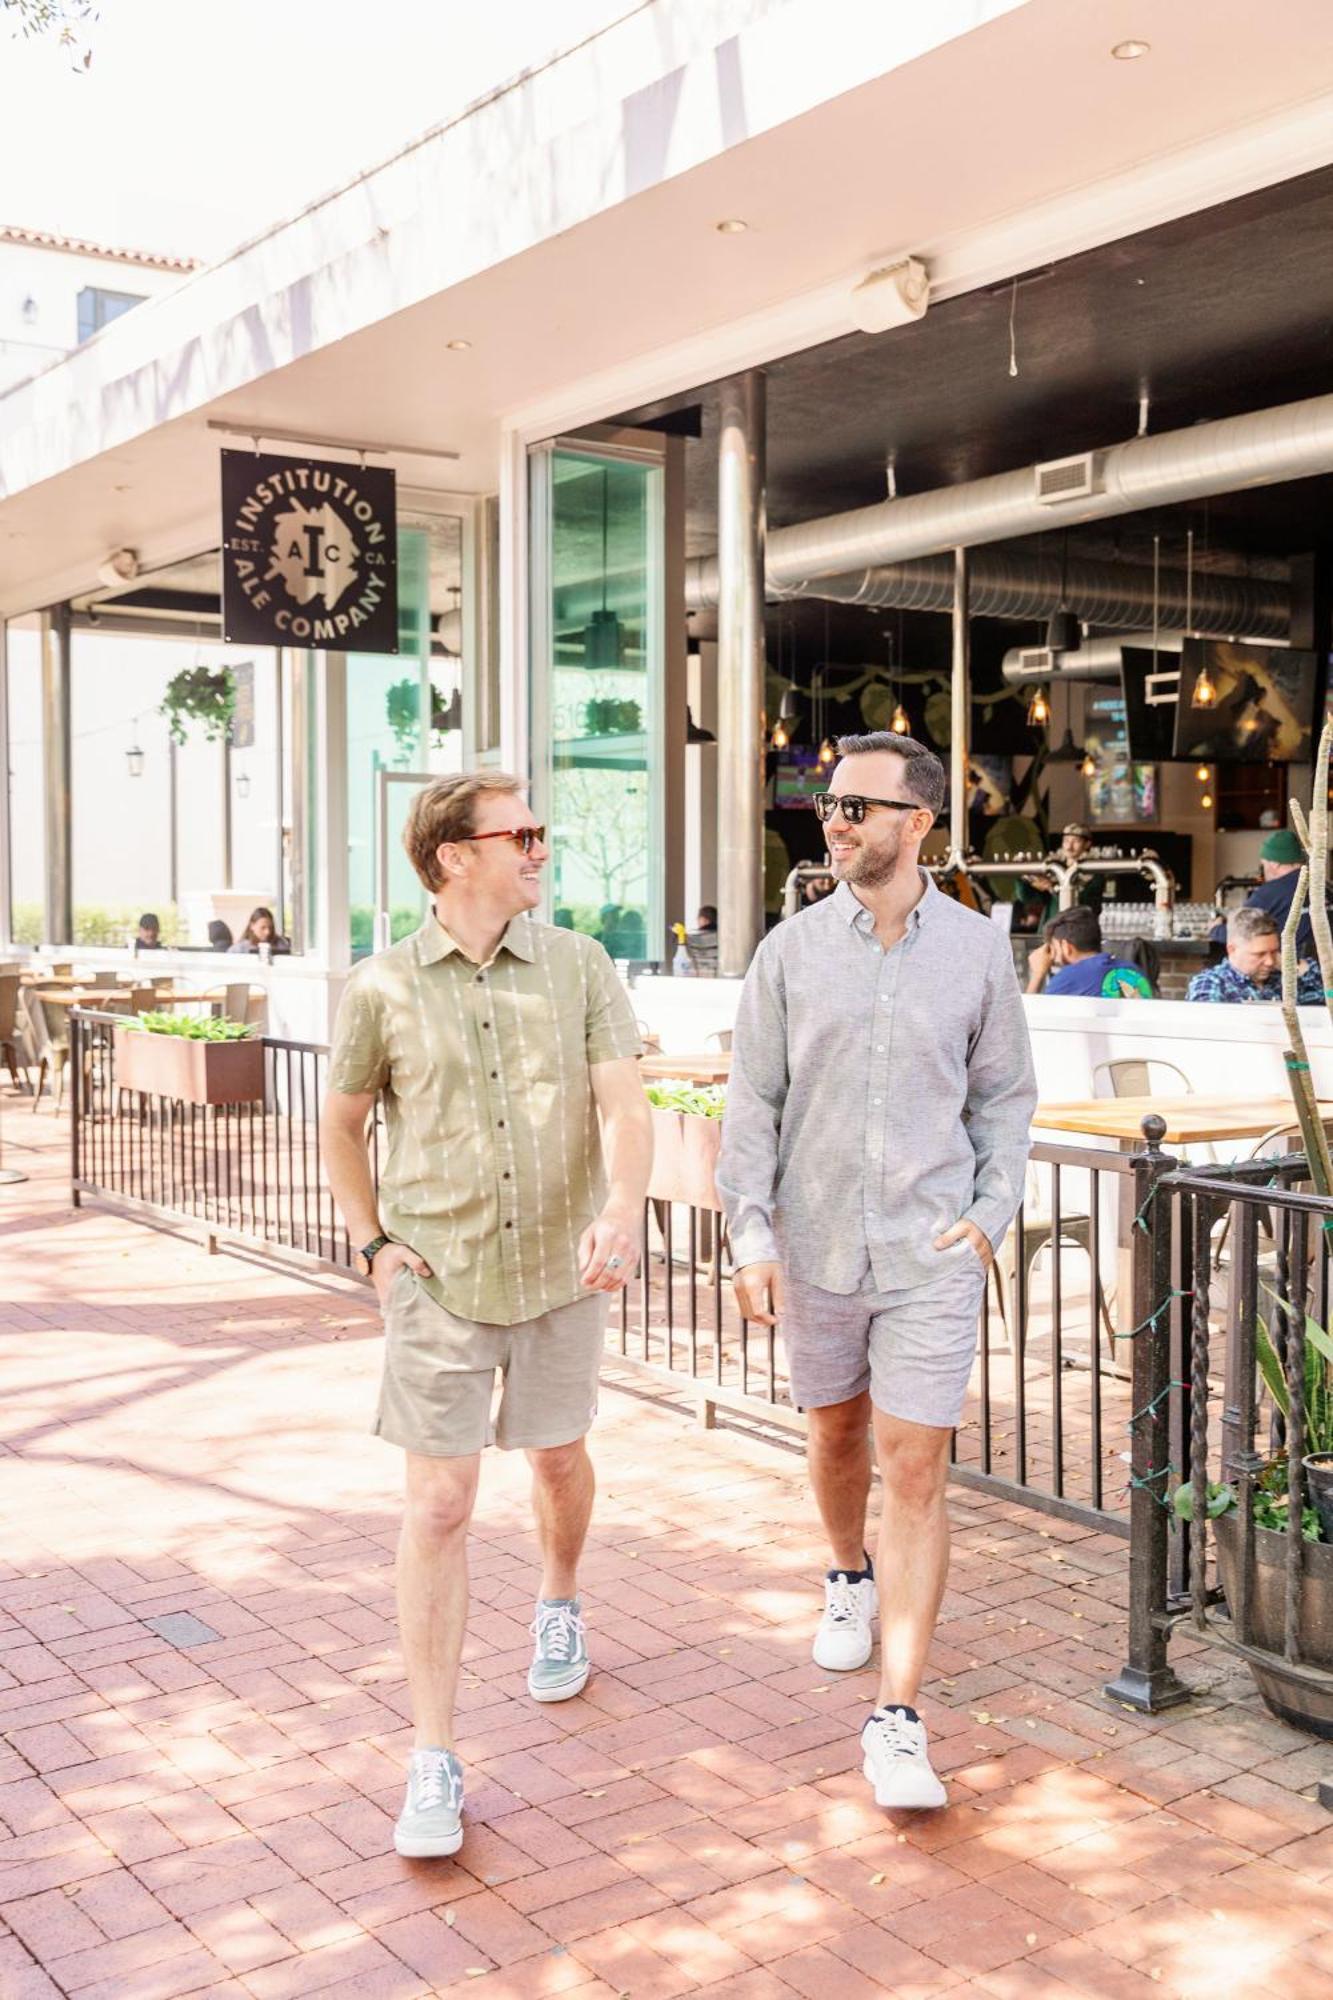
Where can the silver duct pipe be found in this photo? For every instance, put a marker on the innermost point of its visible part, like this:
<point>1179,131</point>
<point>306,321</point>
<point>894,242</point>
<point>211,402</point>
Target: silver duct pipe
<point>1096,659</point>
<point>1294,441</point>
<point>1006,584</point>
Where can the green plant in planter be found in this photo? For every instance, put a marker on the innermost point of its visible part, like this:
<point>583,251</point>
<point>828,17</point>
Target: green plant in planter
<point>704,1100</point>
<point>206,695</point>
<point>188,1029</point>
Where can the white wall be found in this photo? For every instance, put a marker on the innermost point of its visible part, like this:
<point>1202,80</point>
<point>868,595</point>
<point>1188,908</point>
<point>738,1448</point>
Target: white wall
<point>39,301</point>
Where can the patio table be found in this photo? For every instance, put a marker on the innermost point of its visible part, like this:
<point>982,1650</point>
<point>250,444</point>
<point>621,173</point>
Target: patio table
<point>711,1068</point>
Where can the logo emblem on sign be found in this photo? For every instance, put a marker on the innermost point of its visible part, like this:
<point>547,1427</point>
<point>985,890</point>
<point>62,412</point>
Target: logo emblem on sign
<point>309,553</point>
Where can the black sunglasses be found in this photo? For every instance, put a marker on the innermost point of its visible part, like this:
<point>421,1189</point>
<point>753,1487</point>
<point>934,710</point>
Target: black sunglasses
<point>854,807</point>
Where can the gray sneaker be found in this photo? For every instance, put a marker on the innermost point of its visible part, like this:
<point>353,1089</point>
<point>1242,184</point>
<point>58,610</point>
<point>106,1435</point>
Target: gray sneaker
<point>431,1822</point>
<point>560,1665</point>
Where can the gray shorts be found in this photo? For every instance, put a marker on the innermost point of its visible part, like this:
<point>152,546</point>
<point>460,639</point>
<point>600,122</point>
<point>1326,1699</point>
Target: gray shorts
<point>913,1349</point>
<point>440,1370</point>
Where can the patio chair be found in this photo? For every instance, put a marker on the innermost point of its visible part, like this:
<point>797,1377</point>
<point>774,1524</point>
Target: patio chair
<point>9,1004</point>
<point>1038,1234</point>
<point>50,1045</point>
<point>1142,1076</point>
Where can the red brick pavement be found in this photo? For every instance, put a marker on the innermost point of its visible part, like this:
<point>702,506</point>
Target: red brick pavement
<point>208,1812</point>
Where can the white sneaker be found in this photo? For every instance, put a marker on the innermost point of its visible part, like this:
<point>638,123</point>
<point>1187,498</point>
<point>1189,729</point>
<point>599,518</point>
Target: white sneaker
<point>897,1762</point>
<point>845,1639</point>
<point>431,1822</point>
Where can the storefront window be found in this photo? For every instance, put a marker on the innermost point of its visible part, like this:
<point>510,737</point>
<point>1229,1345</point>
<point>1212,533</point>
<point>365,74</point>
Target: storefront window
<point>27,821</point>
<point>191,830</point>
<point>404,721</point>
<point>604,699</point>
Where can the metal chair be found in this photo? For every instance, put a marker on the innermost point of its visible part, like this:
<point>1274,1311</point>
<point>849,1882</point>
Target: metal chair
<point>9,1004</point>
<point>1135,1076</point>
<point>50,1045</point>
<point>1038,1234</point>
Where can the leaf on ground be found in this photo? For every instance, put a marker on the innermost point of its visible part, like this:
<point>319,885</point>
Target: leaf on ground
<point>875,1880</point>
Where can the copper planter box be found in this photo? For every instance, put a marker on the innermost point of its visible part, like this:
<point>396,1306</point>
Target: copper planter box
<point>192,1072</point>
<point>685,1149</point>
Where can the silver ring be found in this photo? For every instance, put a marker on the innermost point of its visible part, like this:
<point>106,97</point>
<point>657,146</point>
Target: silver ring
<point>614,1263</point>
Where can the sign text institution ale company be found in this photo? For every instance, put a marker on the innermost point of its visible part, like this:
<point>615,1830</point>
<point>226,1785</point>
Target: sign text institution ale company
<point>309,553</point>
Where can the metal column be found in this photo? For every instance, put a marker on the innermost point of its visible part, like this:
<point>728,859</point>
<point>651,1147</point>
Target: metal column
<point>960,707</point>
<point>59,925</point>
<point>741,524</point>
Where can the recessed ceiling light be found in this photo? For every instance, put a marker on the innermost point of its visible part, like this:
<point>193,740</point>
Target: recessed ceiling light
<point>459,346</point>
<point>733,226</point>
<point>1130,51</point>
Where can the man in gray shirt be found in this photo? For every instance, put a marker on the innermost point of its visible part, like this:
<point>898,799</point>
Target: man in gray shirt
<point>873,1155</point>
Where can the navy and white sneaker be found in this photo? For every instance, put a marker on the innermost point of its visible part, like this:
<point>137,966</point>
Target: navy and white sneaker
<point>846,1638</point>
<point>431,1821</point>
<point>560,1664</point>
<point>897,1761</point>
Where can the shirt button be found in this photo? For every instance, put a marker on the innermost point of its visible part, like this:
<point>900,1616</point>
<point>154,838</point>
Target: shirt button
<point>879,1048</point>
<point>509,1225</point>
<point>877,1100</point>
<point>506,1173</point>
<point>501,1124</point>
<point>494,1074</point>
<point>485,1024</point>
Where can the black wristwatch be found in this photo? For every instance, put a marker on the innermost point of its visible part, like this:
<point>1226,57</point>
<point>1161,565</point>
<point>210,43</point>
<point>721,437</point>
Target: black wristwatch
<point>370,1251</point>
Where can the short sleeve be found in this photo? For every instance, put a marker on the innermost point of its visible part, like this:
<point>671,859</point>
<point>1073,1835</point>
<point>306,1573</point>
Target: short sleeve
<point>611,1030</point>
<point>358,1060</point>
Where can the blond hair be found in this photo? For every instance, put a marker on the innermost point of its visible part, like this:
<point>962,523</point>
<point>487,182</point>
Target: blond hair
<point>446,810</point>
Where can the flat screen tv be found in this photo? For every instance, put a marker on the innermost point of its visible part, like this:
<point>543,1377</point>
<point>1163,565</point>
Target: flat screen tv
<point>1262,711</point>
<point>1150,727</point>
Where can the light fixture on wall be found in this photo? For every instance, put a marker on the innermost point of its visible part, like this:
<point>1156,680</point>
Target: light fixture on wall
<point>1039,709</point>
<point>242,784</point>
<point>134,759</point>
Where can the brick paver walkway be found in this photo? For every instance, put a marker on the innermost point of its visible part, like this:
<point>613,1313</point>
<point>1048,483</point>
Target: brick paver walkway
<point>202,1719</point>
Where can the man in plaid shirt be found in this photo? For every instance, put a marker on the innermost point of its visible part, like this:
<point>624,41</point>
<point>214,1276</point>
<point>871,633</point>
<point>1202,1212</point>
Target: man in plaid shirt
<point>1251,968</point>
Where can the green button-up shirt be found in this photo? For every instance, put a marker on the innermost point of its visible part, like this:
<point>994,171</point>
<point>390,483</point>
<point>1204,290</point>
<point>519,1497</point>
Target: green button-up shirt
<point>493,1166</point>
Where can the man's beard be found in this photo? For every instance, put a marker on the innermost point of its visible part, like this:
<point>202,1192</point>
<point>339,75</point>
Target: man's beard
<point>870,867</point>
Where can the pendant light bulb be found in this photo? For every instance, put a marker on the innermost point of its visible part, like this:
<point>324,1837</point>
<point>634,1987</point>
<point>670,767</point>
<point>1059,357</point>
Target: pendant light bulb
<point>1202,774</point>
<point>827,753</point>
<point>1088,768</point>
<point>780,738</point>
<point>1206,801</point>
<point>1039,710</point>
<point>900,723</point>
<point>1205,692</point>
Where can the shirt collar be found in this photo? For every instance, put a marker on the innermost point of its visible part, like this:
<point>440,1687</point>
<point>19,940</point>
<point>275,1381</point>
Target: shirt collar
<point>433,941</point>
<point>854,912</point>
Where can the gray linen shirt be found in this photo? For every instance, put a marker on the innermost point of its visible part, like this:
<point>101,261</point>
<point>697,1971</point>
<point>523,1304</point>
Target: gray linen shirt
<point>876,1097</point>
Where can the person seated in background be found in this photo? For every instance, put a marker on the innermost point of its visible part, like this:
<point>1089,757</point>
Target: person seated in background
<point>1075,846</point>
<point>1280,861</point>
<point>1072,961</point>
<point>219,935</point>
<point>815,888</point>
<point>707,917</point>
<point>261,929</point>
<point>149,935</point>
<point>1251,969</point>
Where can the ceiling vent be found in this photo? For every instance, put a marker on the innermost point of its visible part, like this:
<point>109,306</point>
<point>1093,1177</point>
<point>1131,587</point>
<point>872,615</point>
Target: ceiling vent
<point>1038,660</point>
<point>1063,479</point>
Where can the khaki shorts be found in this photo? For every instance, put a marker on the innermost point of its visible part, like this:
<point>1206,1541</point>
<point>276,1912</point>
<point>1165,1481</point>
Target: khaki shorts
<point>439,1375</point>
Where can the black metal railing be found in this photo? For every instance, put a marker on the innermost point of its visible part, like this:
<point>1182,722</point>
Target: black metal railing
<point>1045,1420</point>
<point>1227,1258</point>
<point>247,1173</point>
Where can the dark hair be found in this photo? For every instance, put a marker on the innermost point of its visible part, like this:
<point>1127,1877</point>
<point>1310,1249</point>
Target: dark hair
<point>249,932</point>
<point>148,920</point>
<point>709,910</point>
<point>923,773</point>
<point>1079,926</point>
<point>219,935</point>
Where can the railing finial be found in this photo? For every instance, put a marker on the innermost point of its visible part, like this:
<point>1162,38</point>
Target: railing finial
<point>1154,1131</point>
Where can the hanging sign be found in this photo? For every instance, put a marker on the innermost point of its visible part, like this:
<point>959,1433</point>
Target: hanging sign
<point>309,554</point>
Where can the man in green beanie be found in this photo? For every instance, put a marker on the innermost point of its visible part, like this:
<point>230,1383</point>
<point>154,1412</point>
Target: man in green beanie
<point>1280,861</point>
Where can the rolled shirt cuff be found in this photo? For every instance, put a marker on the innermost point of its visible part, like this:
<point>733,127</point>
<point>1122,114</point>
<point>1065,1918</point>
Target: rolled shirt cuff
<point>753,1242</point>
<point>992,1218</point>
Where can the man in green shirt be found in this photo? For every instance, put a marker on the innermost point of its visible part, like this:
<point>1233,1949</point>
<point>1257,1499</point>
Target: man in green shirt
<point>495,1044</point>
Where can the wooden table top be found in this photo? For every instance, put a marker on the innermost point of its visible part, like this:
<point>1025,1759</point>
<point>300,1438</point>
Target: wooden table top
<point>711,1068</point>
<point>1188,1119</point>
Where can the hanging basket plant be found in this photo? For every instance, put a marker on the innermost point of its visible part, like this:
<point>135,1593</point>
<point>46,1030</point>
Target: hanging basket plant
<point>206,695</point>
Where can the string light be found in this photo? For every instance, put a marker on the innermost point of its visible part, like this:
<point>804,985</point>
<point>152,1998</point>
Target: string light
<point>1206,801</point>
<point>1202,774</point>
<point>900,724</point>
<point>1039,710</point>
